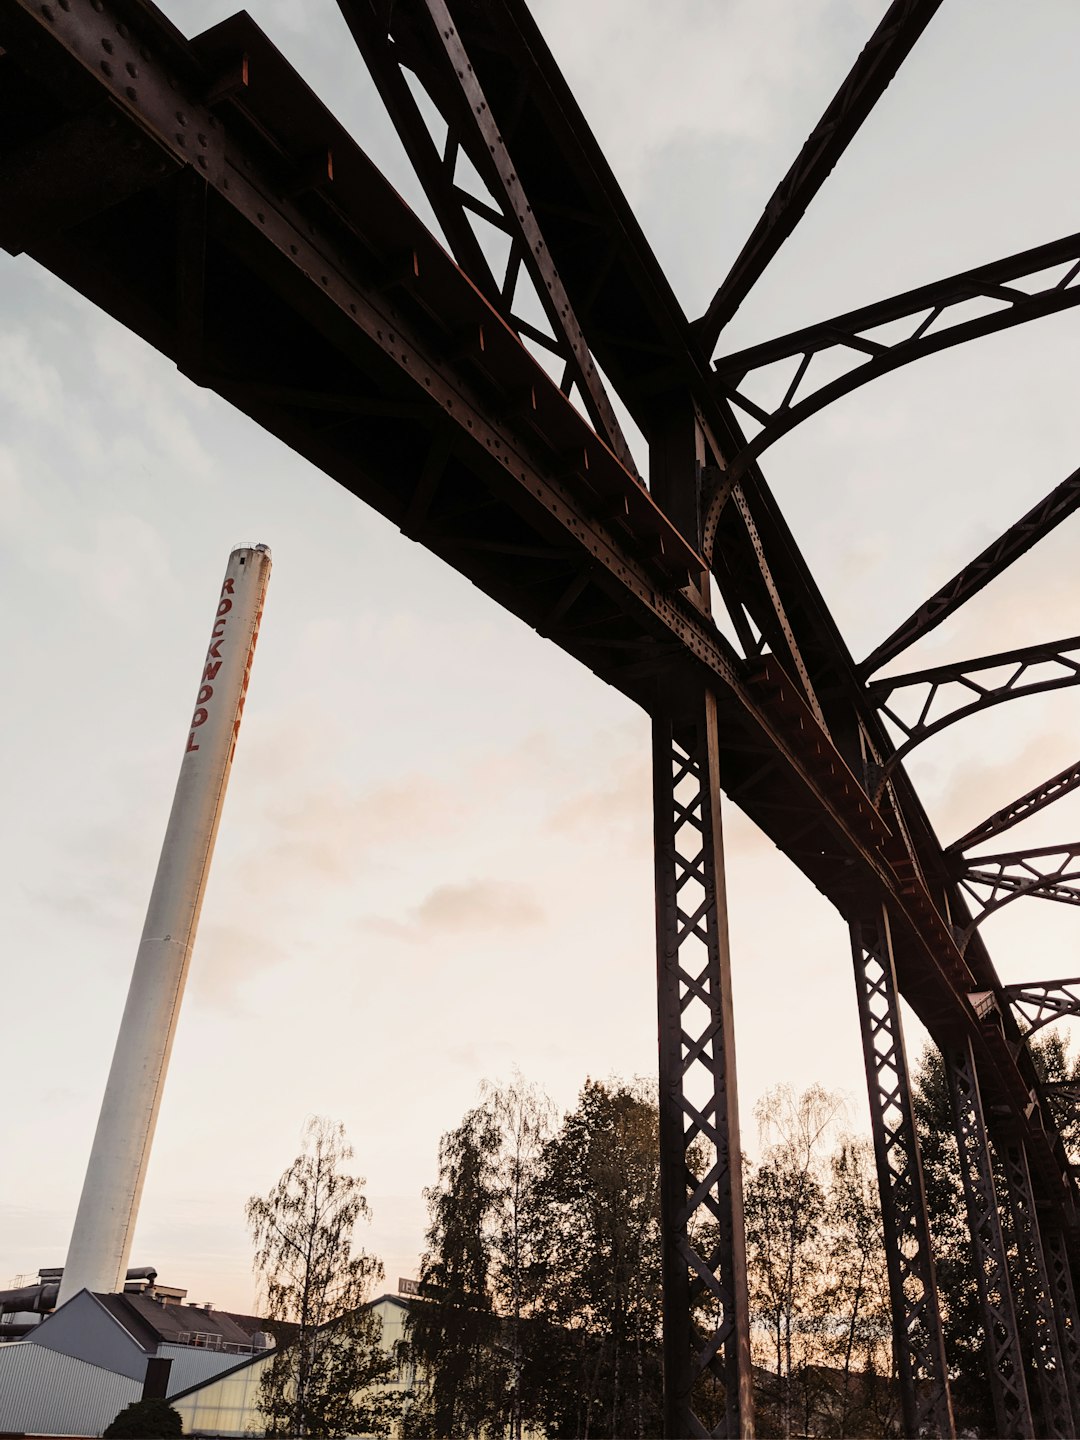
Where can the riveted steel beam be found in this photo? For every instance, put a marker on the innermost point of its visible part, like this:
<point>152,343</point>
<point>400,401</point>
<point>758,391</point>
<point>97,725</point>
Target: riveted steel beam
<point>890,44</point>
<point>935,324</point>
<point>990,563</point>
<point>1034,1282</point>
<point>698,1092</point>
<point>1043,1001</point>
<point>1032,669</point>
<point>918,1344</point>
<point>1063,783</point>
<point>1004,1355</point>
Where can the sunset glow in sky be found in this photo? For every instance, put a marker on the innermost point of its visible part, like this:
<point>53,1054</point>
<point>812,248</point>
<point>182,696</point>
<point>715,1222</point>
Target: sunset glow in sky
<point>434,864</point>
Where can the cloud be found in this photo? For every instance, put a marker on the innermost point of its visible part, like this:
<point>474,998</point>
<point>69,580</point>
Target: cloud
<point>327,832</point>
<point>476,906</point>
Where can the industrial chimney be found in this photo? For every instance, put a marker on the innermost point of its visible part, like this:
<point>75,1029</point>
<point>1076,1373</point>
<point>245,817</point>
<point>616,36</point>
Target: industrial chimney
<point>101,1240</point>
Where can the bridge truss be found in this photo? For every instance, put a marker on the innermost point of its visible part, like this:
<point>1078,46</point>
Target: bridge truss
<point>199,192</point>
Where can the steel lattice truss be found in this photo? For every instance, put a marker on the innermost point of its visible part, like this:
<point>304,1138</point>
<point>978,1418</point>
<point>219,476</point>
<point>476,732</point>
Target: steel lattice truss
<point>199,192</point>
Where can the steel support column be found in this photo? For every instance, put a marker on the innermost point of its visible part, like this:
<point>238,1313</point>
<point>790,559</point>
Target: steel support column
<point>918,1345</point>
<point>1004,1355</point>
<point>1057,1420</point>
<point>1059,1272</point>
<point>706,1320</point>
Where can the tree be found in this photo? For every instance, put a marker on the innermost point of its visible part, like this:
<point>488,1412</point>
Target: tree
<point>145,1420</point>
<point>786,1216</point>
<point>599,1190</point>
<point>860,1299</point>
<point>451,1333</point>
<point>472,1335</point>
<point>321,1383</point>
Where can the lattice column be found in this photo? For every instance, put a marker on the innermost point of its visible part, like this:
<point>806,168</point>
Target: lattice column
<point>706,1321</point>
<point>919,1349</point>
<point>1057,1420</point>
<point>1004,1356</point>
<point>1059,1271</point>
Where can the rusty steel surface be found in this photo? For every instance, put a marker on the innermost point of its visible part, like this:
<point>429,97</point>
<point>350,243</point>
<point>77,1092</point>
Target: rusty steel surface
<point>200,192</point>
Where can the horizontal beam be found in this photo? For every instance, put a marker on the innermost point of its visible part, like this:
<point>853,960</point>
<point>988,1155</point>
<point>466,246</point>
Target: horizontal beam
<point>935,326</point>
<point>881,57</point>
<point>987,566</point>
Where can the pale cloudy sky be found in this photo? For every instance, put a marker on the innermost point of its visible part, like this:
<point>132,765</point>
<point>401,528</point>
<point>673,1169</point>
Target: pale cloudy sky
<point>434,863</point>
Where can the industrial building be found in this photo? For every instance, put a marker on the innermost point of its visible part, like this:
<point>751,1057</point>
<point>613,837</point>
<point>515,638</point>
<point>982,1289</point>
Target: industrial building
<point>72,1370</point>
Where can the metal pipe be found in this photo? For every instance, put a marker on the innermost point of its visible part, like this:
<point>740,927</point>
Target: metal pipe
<point>105,1221</point>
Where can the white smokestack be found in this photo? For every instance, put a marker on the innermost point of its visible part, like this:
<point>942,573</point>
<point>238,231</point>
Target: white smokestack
<point>101,1240</point>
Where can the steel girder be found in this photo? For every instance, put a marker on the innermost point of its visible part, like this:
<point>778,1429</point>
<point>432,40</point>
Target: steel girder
<point>1007,877</point>
<point>901,26</point>
<point>987,565</point>
<point>1034,1283</point>
<point>1063,783</point>
<point>1032,670</point>
<point>1041,1002</point>
<point>918,1344</point>
<point>1005,1360</point>
<point>200,193</point>
<point>707,1323</point>
<point>933,328</point>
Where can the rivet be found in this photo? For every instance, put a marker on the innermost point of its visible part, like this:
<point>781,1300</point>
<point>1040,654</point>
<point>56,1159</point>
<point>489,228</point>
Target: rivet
<point>65,4</point>
<point>46,10</point>
<point>122,31</point>
<point>132,69</point>
<point>106,68</point>
<point>262,218</point>
<point>97,5</point>
<point>202,160</point>
<point>131,93</point>
<point>181,117</point>
<point>107,46</point>
<point>203,140</point>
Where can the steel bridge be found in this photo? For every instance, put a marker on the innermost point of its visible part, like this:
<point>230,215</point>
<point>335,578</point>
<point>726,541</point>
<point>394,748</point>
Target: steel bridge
<point>199,192</point>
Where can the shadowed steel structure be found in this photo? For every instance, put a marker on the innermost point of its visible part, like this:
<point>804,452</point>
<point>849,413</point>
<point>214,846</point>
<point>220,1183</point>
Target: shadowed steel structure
<point>199,192</point>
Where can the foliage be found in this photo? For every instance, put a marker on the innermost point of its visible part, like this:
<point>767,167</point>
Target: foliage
<point>322,1382</point>
<point>542,1275</point>
<point>599,1189</point>
<point>145,1420</point>
<point>819,1302</point>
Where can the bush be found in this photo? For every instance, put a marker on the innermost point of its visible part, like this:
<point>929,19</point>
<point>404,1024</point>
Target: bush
<point>145,1420</point>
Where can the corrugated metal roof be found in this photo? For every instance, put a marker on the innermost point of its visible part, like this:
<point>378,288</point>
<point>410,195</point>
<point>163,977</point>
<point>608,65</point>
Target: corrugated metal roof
<point>45,1392</point>
<point>191,1366</point>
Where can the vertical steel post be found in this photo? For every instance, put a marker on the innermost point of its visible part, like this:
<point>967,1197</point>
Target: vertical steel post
<point>1059,1270</point>
<point>706,1320</point>
<point>1004,1355</point>
<point>1057,1419</point>
<point>918,1345</point>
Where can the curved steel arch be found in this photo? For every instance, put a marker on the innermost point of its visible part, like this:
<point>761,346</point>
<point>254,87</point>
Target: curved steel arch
<point>1011,876</point>
<point>987,282</point>
<point>960,674</point>
<point>1044,1001</point>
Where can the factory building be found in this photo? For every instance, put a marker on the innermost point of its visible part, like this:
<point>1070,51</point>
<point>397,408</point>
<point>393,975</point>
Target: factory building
<point>74,1369</point>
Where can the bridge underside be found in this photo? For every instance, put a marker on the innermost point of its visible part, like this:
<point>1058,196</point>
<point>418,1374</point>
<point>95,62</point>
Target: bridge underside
<point>200,193</point>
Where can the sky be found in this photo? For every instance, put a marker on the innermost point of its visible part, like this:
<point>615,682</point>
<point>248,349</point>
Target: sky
<point>434,864</point>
